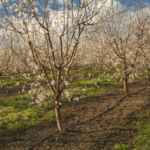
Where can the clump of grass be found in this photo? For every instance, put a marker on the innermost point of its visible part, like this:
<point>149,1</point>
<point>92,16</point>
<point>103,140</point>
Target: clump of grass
<point>1,134</point>
<point>15,81</point>
<point>139,116</point>
<point>122,147</point>
<point>2,125</point>
<point>19,112</point>
<point>134,122</point>
<point>19,126</point>
<point>142,141</point>
<point>123,123</point>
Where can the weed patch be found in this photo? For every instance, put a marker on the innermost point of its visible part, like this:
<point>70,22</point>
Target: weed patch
<point>122,147</point>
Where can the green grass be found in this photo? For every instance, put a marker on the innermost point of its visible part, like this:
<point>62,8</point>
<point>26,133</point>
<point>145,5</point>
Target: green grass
<point>1,134</point>
<point>17,113</point>
<point>122,147</point>
<point>93,88</point>
<point>141,138</point>
<point>93,71</point>
<point>79,85</point>
<point>20,112</point>
<point>139,116</point>
<point>86,67</point>
<point>123,123</point>
<point>15,81</point>
<point>118,66</point>
<point>86,73</point>
<point>11,81</point>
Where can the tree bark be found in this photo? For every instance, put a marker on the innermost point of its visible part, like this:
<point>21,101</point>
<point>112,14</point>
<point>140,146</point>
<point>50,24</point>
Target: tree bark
<point>19,74</point>
<point>126,85</point>
<point>99,71</point>
<point>76,71</point>
<point>1,86</point>
<point>58,117</point>
<point>67,71</point>
<point>148,75</point>
<point>125,82</point>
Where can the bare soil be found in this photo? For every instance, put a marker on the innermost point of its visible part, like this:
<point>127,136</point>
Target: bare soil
<point>92,124</point>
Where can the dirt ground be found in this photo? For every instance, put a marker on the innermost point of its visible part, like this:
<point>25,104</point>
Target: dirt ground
<point>92,124</point>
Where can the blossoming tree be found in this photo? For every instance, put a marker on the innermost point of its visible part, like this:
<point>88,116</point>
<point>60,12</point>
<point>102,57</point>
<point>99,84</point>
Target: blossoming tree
<point>5,56</point>
<point>52,36</point>
<point>119,38</point>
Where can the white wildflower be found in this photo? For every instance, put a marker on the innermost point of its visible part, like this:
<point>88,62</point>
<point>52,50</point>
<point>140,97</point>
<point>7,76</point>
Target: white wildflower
<point>89,74</point>
<point>76,99</point>
<point>48,94</point>
<point>38,102</point>
<point>17,84</point>
<point>84,89</point>
<point>29,92</point>
<point>66,83</point>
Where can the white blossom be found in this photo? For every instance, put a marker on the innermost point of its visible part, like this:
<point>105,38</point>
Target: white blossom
<point>66,83</point>
<point>16,9</point>
<point>84,89</point>
<point>52,82</point>
<point>19,14</point>
<point>76,99</point>
<point>38,102</point>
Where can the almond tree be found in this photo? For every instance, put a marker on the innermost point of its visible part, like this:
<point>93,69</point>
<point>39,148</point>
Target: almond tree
<point>5,56</point>
<point>117,36</point>
<point>52,38</point>
<point>142,35</point>
<point>98,55</point>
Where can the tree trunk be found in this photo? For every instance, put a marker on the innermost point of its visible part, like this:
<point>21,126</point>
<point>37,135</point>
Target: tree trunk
<point>58,117</point>
<point>99,71</point>
<point>67,71</point>
<point>76,71</point>
<point>125,82</point>
<point>19,74</point>
<point>148,74</point>
<point>1,86</point>
<point>126,86</point>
